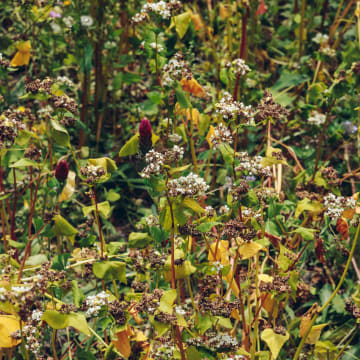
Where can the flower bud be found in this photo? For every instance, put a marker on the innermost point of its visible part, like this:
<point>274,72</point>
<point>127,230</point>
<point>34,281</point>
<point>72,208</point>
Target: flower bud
<point>145,138</point>
<point>62,170</point>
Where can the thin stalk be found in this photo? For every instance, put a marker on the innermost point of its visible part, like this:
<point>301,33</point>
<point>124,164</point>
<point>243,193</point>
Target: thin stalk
<point>53,344</point>
<point>97,219</point>
<point>256,325</point>
<point>301,32</point>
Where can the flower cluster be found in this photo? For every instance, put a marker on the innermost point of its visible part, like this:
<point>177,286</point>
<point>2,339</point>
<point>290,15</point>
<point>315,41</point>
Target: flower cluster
<point>229,108</point>
<point>240,67</point>
<point>215,341</point>
<point>335,205</point>
<point>267,108</point>
<point>252,166</point>
<point>328,51</point>
<point>160,8</point>
<point>176,69</point>
<point>92,173</point>
<point>95,302</point>
<point>190,185</point>
<point>221,135</point>
<point>317,118</point>
<point>9,129</point>
<point>155,160</point>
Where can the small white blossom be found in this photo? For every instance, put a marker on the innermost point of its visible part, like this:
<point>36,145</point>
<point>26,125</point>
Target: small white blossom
<point>36,315</point>
<point>317,118</point>
<point>320,38</point>
<point>335,205</point>
<point>224,210</point>
<point>240,67</point>
<point>86,20</point>
<point>328,51</point>
<point>68,21</point>
<point>175,138</point>
<point>95,302</point>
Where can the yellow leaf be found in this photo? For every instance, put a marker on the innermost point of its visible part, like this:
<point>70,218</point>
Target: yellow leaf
<point>249,250</point>
<point>67,3</point>
<point>69,187</point>
<point>314,334</point>
<point>139,336</point>
<point>122,343</point>
<point>8,325</point>
<point>198,23</point>
<point>193,116</point>
<point>219,252</point>
<point>193,87</point>
<point>274,341</point>
<point>209,135</point>
<point>266,278</point>
<point>223,11</point>
<point>22,57</point>
<point>304,324</point>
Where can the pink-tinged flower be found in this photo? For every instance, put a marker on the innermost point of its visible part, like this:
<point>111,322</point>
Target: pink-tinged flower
<point>62,170</point>
<point>145,136</point>
<point>54,14</point>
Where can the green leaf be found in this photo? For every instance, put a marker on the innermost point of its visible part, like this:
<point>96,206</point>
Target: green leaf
<point>167,301</point>
<point>77,293</point>
<point>138,240</point>
<point>204,323</point>
<point>110,270</point>
<point>61,136</point>
<point>205,227</point>
<point>57,320</point>
<point>25,163</point>
<point>112,195</point>
<point>63,228</point>
<point>106,163</point>
<point>289,79</point>
<point>130,78</point>
<point>274,341</point>
<point>23,138</point>
<point>181,97</point>
<point>227,153</point>
<point>35,260</point>
<point>160,328</point>
<point>193,205</point>
<point>131,147</point>
<point>103,209</point>
<point>284,261</point>
<point>182,23</point>
<point>271,157</point>
<point>307,204</point>
<point>306,234</point>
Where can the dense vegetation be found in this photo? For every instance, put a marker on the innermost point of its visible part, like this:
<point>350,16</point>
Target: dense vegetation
<point>179,180</point>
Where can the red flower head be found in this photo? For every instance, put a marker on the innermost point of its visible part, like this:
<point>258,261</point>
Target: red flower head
<point>62,170</point>
<point>145,136</point>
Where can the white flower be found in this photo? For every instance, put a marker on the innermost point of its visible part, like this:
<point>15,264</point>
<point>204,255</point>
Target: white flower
<point>68,21</point>
<point>190,185</point>
<point>86,20</point>
<point>175,138</point>
<point>55,27</point>
<point>320,38</point>
<point>328,51</point>
<point>224,210</point>
<point>157,46</point>
<point>240,67</point>
<point>317,118</point>
<point>95,302</point>
<point>36,315</point>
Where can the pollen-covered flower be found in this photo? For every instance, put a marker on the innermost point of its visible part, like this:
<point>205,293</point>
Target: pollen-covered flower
<point>229,108</point>
<point>221,135</point>
<point>240,67</point>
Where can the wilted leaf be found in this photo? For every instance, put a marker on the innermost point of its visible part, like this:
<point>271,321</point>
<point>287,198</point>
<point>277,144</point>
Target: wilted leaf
<point>69,187</point>
<point>193,87</point>
<point>210,134</point>
<point>342,227</point>
<point>122,343</point>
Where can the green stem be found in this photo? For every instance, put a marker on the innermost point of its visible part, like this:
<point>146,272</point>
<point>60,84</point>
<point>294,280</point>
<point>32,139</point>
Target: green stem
<point>301,32</point>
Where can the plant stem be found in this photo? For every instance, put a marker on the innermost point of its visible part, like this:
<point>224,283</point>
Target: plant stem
<point>301,32</point>
<point>53,345</point>
<point>97,219</point>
